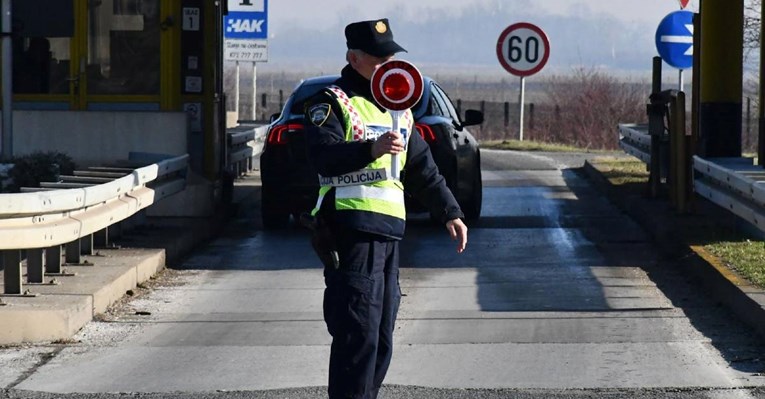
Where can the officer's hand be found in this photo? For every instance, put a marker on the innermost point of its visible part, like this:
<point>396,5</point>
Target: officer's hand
<point>388,143</point>
<point>458,231</point>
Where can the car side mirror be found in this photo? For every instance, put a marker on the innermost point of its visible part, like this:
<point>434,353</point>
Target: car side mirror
<point>472,117</point>
<point>273,117</point>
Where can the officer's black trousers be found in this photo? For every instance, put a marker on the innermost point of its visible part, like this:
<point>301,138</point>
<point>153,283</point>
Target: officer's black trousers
<point>360,306</point>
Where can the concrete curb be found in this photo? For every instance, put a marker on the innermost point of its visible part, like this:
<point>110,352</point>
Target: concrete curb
<point>724,285</point>
<point>60,311</point>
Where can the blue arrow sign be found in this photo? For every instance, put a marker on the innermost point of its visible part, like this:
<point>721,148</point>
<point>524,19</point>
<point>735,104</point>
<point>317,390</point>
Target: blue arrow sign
<point>674,39</point>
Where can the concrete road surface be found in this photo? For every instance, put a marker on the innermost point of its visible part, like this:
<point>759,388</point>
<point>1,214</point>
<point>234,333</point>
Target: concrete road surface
<point>559,295</point>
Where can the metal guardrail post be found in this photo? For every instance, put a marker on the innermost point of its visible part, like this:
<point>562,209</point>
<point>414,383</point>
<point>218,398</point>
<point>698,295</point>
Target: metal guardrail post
<point>86,245</point>
<point>73,252</point>
<point>53,260</point>
<point>656,130</point>
<point>35,266</point>
<point>12,272</point>
<point>679,178</point>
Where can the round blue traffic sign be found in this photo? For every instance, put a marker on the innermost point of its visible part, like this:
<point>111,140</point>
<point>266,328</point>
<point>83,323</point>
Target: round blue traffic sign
<point>674,39</point>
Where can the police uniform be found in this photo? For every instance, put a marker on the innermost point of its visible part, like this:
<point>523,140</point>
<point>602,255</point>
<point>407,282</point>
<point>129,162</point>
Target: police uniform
<point>362,206</point>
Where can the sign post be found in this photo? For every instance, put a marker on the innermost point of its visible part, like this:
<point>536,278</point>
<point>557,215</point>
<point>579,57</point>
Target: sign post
<point>397,86</point>
<point>245,35</point>
<point>523,50</point>
<point>6,134</point>
<point>674,41</point>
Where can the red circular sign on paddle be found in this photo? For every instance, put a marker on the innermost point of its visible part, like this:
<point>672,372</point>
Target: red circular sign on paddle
<point>396,85</point>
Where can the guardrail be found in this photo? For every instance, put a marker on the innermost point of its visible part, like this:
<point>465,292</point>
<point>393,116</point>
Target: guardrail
<point>663,145</point>
<point>635,140</point>
<point>244,143</point>
<point>735,184</point>
<point>76,212</point>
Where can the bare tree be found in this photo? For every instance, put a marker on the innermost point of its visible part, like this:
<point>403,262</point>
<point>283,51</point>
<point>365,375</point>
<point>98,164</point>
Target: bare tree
<point>586,106</point>
<point>752,26</point>
<point>752,16</point>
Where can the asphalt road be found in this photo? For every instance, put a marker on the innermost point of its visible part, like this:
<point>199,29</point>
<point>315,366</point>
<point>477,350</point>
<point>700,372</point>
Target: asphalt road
<point>559,295</point>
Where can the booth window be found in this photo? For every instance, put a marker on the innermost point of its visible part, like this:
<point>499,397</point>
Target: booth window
<point>123,47</point>
<point>41,58</point>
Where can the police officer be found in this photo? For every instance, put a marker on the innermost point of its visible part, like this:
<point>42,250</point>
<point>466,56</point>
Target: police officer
<point>350,142</point>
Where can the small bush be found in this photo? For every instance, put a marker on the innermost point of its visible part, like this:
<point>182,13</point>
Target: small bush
<point>588,106</point>
<point>29,170</point>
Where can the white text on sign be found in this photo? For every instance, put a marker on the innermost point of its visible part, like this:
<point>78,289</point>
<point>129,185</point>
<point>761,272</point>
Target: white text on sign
<point>190,19</point>
<point>245,25</point>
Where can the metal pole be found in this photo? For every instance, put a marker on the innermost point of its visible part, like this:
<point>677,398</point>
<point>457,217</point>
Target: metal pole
<point>11,262</point>
<point>655,129</point>
<point>394,167</point>
<point>6,144</point>
<point>236,90</point>
<point>521,100</point>
<point>680,79</point>
<point>254,90</point>
<point>761,105</point>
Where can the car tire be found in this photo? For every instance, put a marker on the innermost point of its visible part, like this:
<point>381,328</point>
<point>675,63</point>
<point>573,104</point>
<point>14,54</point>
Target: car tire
<point>271,214</point>
<point>472,207</point>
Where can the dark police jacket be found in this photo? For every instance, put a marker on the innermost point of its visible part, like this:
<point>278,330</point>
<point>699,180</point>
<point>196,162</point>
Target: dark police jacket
<point>332,155</point>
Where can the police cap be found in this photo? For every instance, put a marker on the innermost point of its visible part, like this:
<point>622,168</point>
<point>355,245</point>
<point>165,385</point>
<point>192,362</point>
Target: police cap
<point>372,37</point>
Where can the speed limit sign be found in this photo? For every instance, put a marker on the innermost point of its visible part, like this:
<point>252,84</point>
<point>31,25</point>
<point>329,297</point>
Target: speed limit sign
<point>523,49</point>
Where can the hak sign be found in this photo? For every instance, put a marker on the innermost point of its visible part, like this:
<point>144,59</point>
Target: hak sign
<point>245,30</point>
<point>246,19</point>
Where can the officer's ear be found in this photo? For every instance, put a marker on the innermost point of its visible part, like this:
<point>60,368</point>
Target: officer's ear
<point>352,56</point>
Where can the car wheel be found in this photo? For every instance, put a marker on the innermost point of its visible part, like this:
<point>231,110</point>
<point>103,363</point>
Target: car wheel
<point>271,212</point>
<point>472,207</point>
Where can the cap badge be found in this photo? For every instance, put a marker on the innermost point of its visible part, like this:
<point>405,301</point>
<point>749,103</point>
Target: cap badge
<point>380,27</point>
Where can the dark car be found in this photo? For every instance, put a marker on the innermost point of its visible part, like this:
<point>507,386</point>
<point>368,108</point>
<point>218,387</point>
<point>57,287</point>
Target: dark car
<point>290,184</point>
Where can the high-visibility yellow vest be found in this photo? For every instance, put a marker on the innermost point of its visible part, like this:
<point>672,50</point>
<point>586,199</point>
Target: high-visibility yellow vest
<point>371,189</point>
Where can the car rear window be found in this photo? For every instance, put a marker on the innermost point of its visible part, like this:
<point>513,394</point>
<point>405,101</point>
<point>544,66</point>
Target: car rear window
<point>303,93</point>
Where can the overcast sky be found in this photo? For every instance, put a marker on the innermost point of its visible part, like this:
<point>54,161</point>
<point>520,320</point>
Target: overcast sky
<point>282,13</point>
<point>616,29</point>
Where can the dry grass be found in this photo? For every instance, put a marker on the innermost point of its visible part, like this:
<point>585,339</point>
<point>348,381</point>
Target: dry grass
<point>528,145</point>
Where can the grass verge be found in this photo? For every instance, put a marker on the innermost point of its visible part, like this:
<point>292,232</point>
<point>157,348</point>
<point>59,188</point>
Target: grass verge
<point>517,145</point>
<point>736,250</point>
<point>746,257</point>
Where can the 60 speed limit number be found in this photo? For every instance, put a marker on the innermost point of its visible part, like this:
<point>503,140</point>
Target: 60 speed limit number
<point>523,49</point>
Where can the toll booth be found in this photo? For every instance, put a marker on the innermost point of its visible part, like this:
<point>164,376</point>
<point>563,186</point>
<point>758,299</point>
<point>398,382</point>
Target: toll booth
<point>98,78</point>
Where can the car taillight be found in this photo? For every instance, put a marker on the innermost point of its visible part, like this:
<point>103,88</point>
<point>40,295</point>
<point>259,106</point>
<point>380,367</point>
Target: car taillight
<point>426,132</point>
<point>278,134</point>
